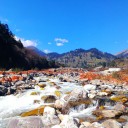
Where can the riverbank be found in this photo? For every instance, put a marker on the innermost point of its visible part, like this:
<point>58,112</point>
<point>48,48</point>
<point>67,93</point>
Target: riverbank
<point>61,98</point>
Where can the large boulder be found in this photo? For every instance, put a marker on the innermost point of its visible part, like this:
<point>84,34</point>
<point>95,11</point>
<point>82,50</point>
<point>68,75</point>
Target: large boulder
<point>49,98</point>
<point>68,122</point>
<point>26,122</point>
<point>49,118</point>
<point>106,113</point>
<point>19,83</point>
<point>111,124</point>
<point>120,107</point>
<point>77,95</point>
<point>60,104</point>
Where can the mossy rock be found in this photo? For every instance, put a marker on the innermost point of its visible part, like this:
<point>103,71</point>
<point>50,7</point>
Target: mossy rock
<point>67,92</point>
<point>121,98</point>
<point>34,93</point>
<point>121,120</point>
<point>101,107</point>
<point>57,93</point>
<point>86,102</point>
<point>43,97</point>
<point>36,101</point>
<point>41,88</point>
<point>100,117</point>
<point>106,113</point>
<point>38,111</point>
<point>52,83</point>
<point>41,85</point>
<point>49,99</point>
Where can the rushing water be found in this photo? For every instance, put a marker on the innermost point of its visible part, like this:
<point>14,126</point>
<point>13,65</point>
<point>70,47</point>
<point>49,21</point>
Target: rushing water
<point>14,105</point>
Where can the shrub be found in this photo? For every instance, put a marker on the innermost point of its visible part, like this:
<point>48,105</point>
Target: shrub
<point>116,75</point>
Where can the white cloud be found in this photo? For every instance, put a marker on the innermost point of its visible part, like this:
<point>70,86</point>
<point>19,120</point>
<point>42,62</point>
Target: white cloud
<point>59,44</point>
<point>46,51</point>
<point>27,43</point>
<point>49,43</point>
<point>60,41</point>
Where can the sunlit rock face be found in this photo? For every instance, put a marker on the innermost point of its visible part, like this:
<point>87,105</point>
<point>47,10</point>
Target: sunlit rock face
<point>49,118</point>
<point>61,100</point>
<point>28,122</point>
<point>111,124</point>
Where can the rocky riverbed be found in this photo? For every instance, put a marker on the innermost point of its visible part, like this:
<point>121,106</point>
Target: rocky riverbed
<point>60,99</point>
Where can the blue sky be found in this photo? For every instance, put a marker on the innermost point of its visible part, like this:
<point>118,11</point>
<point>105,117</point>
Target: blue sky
<point>64,25</point>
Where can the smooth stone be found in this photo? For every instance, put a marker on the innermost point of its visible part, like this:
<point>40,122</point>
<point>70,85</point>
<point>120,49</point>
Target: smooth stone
<point>126,125</point>
<point>49,98</point>
<point>42,84</point>
<point>19,83</point>
<point>68,122</point>
<point>60,104</point>
<point>76,95</point>
<point>106,113</point>
<point>27,122</point>
<point>95,125</point>
<point>49,118</point>
<point>86,123</point>
<point>119,107</point>
<point>124,117</point>
<point>111,124</point>
<point>49,111</point>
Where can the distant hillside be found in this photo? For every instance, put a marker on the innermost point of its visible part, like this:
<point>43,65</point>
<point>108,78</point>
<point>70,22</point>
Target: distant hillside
<point>14,55</point>
<point>123,54</point>
<point>36,51</point>
<point>82,58</point>
<point>121,62</point>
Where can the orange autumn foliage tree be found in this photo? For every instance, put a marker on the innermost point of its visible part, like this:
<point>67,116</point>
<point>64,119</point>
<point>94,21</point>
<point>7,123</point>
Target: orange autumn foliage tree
<point>89,76</point>
<point>116,77</point>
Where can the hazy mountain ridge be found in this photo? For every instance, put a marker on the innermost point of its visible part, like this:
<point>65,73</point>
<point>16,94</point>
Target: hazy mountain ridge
<point>85,58</point>
<point>123,54</point>
<point>81,58</point>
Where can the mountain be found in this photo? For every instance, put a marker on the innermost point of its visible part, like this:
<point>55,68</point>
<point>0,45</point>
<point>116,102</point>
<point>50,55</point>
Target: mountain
<point>14,55</point>
<point>53,55</point>
<point>82,58</point>
<point>36,51</point>
<point>123,54</point>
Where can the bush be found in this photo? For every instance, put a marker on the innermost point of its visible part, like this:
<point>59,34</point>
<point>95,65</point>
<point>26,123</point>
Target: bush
<point>116,75</point>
